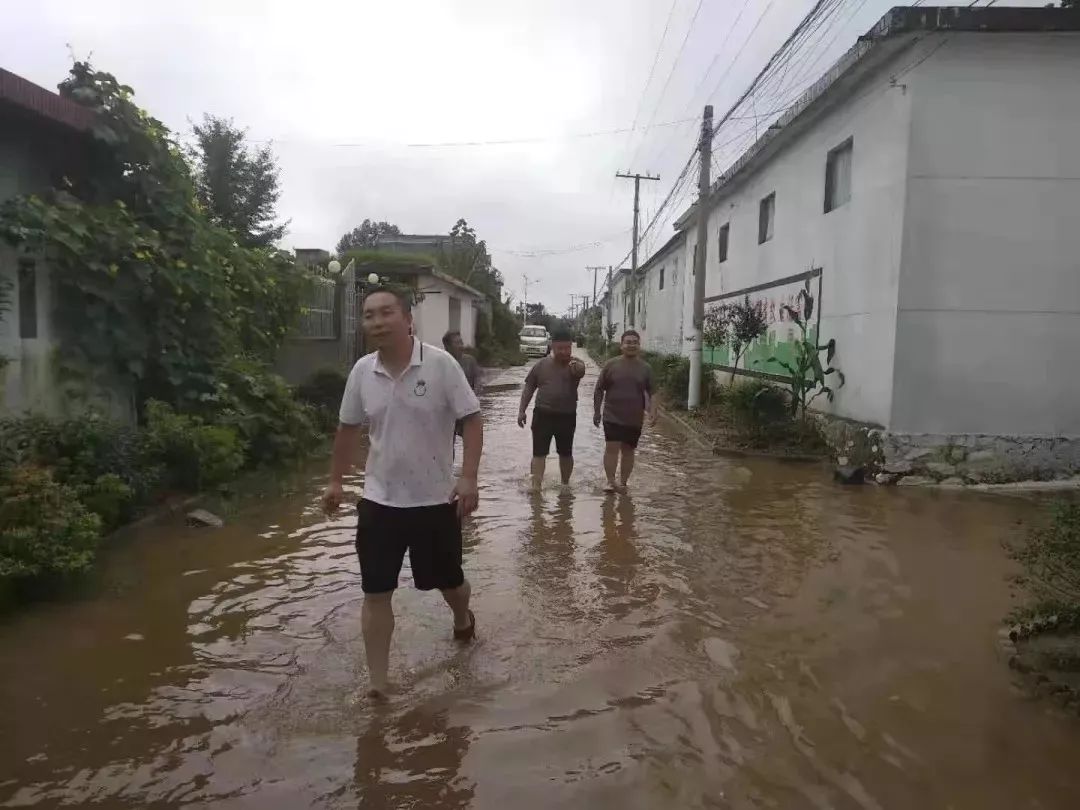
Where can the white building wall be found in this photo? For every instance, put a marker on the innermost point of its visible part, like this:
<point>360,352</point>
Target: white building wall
<point>857,245</point>
<point>431,317</point>
<point>989,307</point>
<point>661,326</point>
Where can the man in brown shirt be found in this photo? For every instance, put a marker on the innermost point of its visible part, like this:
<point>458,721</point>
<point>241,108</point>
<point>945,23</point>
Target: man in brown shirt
<point>624,390</point>
<point>554,379</point>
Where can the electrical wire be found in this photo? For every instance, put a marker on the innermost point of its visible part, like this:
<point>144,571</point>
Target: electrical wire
<point>667,82</point>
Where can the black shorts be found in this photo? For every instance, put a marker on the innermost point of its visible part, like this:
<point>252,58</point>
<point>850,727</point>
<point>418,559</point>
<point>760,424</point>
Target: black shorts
<point>624,434</point>
<point>548,425</point>
<point>431,534</point>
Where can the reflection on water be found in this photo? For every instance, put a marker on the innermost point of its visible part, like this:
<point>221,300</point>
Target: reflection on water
<point>725,635</point>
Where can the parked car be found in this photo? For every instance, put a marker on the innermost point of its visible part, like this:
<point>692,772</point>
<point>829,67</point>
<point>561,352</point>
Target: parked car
<point>534,341</point>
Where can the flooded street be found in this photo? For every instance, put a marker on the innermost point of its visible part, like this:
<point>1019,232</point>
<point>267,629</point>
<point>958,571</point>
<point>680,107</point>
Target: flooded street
<point>728,634</point>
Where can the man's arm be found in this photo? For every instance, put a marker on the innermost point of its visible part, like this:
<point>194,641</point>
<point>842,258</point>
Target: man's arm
<point>651,394</point>
<point>350,417</point>
<point>527,395</point>
<point>465,406</point>
<point>598,395</point>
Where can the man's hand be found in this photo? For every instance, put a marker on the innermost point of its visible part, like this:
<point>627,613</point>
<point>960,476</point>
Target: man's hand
<point>596,419</point>
<point>466,496</point>
<point>332,497</point>
<point>577,369</point>
<point>521,419</point>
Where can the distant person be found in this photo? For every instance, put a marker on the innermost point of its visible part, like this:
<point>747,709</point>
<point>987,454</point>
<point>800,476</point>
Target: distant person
<point>554,380</point>
<point>453,343</point>
<point>623,393</point>
<point>409,394</point>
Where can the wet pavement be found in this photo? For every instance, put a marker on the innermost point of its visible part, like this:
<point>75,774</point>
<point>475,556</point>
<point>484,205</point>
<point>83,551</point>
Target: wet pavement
<point>728,634</point>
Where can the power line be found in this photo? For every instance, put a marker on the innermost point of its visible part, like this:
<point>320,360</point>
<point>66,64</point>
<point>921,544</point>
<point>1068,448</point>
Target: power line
<point>667,82</point>
<point>656,60</point>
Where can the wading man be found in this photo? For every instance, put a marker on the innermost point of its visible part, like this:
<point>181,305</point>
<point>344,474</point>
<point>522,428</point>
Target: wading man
<point>623,392</point>
<point>554,379</point>
<point>409,394</point>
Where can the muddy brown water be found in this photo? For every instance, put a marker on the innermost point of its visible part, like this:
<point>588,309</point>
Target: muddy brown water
<point>730,634</point>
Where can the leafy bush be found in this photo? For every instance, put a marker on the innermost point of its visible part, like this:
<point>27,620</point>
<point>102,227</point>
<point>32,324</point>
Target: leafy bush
<point>195,456</point>
<point>109,498</point>
<point>323,391</point>
<point>79,451</point>
<point>44,529</point>
<point>757,402</point>
<point>671,377</point>
<point>260,407</point>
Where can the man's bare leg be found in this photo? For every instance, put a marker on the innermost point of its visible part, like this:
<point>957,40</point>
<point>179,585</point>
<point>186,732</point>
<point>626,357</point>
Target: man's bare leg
<point>611,462</point>
<point>566,468</point>
<point>377,622</point>
<point>539,464</point>
<point>627,466</point>
<point>458,600</point>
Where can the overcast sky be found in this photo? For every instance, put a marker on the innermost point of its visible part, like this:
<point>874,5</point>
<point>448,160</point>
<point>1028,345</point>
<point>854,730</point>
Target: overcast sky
<point>347,91</point>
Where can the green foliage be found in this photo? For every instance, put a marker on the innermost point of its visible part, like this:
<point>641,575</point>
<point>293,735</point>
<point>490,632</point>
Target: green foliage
<point>671,377</point>
<point>195,455</point>
<point>80,451</point>
<point>1051,560</point>
<point>739,323</point>
<point>148,291</point>
<point>497,337</point>
<point>756,403</point>
<point>237,187</point>
<point>259,406</point>
<point>806,370</point>
<point>366,235</point>
<point>44,529</point>
<point>323,391</point>
<point>109,498</point>
<point>467,258</point>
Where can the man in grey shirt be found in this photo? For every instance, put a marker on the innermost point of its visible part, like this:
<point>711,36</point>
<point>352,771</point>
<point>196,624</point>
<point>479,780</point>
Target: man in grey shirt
<point>453,343</point>
<point>554,379</point>
<point>623,393</point>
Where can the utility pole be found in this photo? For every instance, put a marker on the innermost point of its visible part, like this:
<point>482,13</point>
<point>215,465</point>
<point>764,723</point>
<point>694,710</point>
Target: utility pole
<point>525,301</point>
<point>630,285</point>
<point>594,270</point>
<point>693,395</point>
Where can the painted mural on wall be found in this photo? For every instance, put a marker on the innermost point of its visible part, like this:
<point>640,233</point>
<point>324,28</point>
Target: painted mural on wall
<point>780,337</point>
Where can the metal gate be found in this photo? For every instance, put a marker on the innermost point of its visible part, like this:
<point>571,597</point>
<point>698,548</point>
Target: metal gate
<point>349,320</point>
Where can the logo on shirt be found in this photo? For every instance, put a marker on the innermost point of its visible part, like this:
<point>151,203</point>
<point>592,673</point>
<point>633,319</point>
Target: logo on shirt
<point>420,389</point>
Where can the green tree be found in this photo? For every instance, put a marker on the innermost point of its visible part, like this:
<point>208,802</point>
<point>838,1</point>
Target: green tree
<point>237,186</point>
<point>366,235</point>
<point>148,290</point>
<point>467,258</point>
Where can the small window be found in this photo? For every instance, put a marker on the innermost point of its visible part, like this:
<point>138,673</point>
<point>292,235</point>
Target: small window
<point>661,278</point>
<point>722,241</point>
<point>28,325</point>
<point>693,268</point>
<point>766,219</point>
<point>838,176</point>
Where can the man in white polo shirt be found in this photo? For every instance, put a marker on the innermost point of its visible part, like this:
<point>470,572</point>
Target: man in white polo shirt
<point>409,394</point>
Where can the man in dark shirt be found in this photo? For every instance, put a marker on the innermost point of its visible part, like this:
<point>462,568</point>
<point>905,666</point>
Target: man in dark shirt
<point>453,343</point>
<point>623,392</point>
<point>554,379</point>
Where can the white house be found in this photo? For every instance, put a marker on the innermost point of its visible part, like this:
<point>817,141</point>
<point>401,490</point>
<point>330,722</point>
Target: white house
<point>928,189</point>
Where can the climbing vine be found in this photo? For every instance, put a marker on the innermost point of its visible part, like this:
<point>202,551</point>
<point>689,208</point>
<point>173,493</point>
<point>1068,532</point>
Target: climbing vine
<point>147,290</point>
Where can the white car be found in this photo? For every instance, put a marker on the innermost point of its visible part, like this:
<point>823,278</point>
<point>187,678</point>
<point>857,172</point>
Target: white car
<point>534,341</point>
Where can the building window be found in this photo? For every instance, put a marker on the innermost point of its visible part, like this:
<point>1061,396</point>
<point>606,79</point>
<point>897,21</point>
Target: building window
<point>722,241</point>
<point>661,278</point>
<point>28,325</point>
<point>693,268</point>
<point>766,219</point>
<point>838,176</point>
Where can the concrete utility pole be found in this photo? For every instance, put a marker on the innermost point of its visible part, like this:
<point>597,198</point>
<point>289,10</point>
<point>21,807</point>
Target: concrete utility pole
<point>693,395</point>
<point>594,270</point>
<point>631,284</point>
<point>525,301</point>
